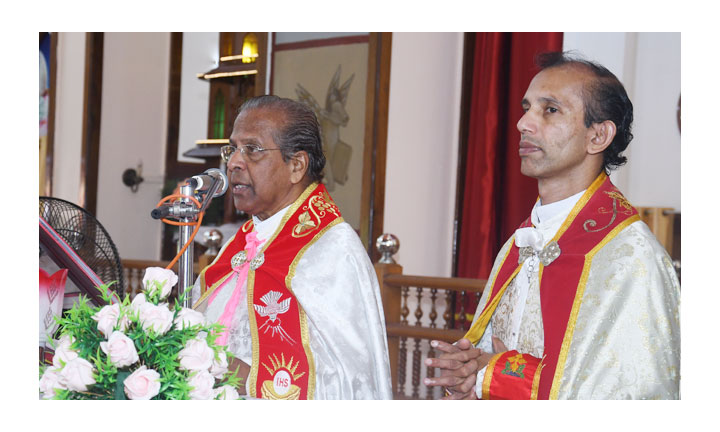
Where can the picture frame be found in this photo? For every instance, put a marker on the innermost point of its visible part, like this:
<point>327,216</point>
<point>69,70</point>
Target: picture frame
<point>346,81</point>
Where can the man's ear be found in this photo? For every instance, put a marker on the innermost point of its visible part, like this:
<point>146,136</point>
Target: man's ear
<point>601,136</point>
<point>299,163</point>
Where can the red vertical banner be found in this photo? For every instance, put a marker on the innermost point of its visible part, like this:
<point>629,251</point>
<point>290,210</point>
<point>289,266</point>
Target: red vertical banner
<point>496,197</point>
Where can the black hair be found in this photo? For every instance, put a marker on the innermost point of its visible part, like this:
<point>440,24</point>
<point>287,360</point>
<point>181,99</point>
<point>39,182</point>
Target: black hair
<point>604,98</point>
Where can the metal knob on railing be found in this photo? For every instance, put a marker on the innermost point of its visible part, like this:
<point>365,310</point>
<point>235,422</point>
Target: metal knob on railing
<point>387,245</point>
<point>213,240</point>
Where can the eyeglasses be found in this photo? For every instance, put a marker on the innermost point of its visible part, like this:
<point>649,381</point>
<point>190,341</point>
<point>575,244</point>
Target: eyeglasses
<point>251,151</point>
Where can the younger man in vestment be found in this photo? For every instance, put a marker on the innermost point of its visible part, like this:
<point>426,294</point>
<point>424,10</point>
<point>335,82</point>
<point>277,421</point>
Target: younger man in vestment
<point>582,302</point>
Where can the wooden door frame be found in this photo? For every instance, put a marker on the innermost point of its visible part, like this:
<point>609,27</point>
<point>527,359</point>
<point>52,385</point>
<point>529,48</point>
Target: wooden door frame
<point>376,128</point>
<point>173,167</point>
<point>464,130</point>
<point>92,114</point>
<point>52,94</point>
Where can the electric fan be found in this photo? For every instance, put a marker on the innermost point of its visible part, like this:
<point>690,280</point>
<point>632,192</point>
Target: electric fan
<point>87,237</point>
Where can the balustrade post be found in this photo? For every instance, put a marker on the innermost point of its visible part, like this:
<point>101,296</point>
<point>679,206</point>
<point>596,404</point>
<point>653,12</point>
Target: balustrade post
<point>387,245</point>
<point>391,300</point>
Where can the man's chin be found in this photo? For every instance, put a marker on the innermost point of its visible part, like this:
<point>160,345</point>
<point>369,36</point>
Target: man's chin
<point>243,205</point>
<point>527,170</point>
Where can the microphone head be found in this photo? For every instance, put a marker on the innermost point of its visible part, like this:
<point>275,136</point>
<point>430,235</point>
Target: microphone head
<point>204,181</point>
<point>219,174</point>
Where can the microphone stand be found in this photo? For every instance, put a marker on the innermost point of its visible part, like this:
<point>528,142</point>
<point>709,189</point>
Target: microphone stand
<point>185,263</point>
<point>186,211</point>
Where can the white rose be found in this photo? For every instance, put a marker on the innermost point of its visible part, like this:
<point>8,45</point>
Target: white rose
<point>51,381</point>
<point>188,317</point>
<point>77,374</point>
<point>156,317</point>
<point>219,365</point>
<point>164,277</point>
<point>63,351</point>
<point>120,349</point>
<point>137,303</point>
<point>143,384</point>
<point>196,355</point>
<point>107,319</point>
<point>226,392</point>
<point>202,383</point>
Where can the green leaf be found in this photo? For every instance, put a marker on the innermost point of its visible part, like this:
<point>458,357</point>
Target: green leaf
<point>119,393</point>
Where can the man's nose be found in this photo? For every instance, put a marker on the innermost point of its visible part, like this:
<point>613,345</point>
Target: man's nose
<point>237,160</point>
<point>526,124</point>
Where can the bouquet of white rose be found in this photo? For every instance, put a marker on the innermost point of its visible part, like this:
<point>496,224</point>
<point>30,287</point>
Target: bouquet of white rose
<point>138,350</point>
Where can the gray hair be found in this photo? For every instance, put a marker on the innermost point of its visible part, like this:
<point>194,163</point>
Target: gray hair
<point>300,132</point>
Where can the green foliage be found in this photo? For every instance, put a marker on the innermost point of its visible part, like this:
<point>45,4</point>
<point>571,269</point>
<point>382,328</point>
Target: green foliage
<point>156,351</point>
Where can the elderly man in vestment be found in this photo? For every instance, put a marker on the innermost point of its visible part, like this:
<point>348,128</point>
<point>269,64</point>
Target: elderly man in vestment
<point>582,301</point>
<point>294,287</point>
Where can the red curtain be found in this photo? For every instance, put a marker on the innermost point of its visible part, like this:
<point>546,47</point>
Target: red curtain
<point>496,197</point>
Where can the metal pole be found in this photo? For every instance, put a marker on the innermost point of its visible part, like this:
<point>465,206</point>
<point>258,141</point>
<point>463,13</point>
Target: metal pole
<point>185,263</point>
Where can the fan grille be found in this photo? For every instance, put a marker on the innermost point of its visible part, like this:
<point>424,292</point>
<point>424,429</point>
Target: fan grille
<point>87,237</point>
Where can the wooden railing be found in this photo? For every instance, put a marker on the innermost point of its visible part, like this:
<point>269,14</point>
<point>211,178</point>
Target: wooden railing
<point>134,270</point>
<point>665,224</point>
<point>429,300</point>
<point>662,223</point>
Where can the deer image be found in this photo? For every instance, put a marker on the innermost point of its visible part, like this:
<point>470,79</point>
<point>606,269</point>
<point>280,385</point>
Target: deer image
<point>331,118</point>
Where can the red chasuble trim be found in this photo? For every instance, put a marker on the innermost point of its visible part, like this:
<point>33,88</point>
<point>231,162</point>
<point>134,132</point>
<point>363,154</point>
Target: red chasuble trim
<point>600,214</point>
<point>282,362</point>
<point>511,375</point>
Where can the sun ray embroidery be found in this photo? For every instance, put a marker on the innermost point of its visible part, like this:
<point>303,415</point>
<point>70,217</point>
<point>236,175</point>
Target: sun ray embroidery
<point>284,378</point>
<point>278,365</point>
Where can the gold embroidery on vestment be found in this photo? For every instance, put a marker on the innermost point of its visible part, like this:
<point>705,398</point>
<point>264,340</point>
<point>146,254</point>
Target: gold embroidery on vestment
<point>268,388</point>
<point>318,207</point>
<point>624,203</point>
<point>478,328</point>
<point>278,364</point>
<point>305,224</point>
<point>536,380</point>
<point>580,205</point>
<point>617,197</point>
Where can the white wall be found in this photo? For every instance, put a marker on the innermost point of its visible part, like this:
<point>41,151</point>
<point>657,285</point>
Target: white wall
<point>654,176</point>
<point>133,131</point>
<point>422,147</point>
<point>68,116</point>
<point>648,64</point>
<point>199,54</point>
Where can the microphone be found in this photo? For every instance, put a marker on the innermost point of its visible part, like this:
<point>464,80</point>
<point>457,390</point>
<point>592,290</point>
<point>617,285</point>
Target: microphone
<point>203,182</point>
<point>212,182</point>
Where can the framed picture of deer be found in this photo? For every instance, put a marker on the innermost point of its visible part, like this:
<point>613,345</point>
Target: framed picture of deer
<point>345,80</point>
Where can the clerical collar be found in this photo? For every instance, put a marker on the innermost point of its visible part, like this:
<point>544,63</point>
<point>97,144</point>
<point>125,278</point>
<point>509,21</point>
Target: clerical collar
<point>266,228</point>
<point>546,213</point>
